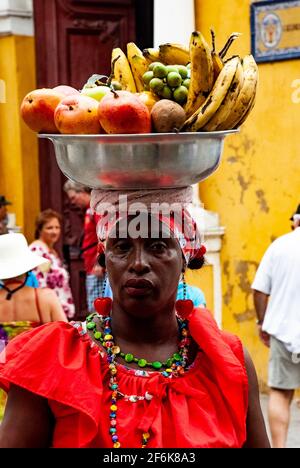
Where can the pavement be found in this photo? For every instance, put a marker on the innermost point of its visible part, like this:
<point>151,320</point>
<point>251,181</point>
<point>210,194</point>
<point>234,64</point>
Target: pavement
<point>294,429</point>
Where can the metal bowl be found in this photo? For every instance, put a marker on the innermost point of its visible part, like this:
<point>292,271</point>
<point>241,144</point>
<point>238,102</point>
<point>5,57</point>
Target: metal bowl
<point>138,161</point>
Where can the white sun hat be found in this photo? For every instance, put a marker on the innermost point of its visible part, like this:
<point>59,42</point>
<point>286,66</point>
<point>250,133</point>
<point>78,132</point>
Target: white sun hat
<point>15,256</point>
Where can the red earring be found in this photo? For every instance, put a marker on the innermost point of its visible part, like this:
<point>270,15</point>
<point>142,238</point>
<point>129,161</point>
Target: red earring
<point>103,306</point>
<point>184,307</point>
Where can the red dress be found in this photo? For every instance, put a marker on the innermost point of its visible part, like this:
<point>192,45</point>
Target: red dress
<point>206,407</point>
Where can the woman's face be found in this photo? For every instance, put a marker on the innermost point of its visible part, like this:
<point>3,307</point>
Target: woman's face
<point>51,231</point>
<point>144,273</point>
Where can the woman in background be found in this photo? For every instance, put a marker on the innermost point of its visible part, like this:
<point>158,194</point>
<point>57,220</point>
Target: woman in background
<point>54,276</point>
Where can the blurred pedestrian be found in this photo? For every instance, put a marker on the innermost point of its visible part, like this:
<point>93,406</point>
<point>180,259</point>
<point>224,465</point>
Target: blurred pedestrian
<point>55,275</point>
<point>277,303</point>
<point>22,307</point>
<point>80,196</point>
<point>295,218</point>
<point>3,214</point>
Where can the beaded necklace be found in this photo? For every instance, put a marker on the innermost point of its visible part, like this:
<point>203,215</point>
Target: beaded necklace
<point>177,363</point>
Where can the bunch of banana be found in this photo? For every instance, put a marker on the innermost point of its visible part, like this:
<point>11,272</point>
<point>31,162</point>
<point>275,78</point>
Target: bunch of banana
<point>215,98</point>
<point>231,99</point>
<point>243,105</point>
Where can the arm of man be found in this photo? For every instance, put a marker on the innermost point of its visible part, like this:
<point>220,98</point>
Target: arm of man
<point>256,430</point>
<point>260,303</point>
<point>28,421</point>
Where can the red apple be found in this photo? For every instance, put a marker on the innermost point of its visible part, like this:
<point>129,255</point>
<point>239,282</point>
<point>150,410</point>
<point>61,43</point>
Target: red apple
<point>78,114</point>
<point>38,107</point>
<point>66,90</point>
<point>123,112</point>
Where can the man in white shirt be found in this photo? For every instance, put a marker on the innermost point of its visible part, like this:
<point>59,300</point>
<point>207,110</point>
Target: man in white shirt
<point>277,304</point>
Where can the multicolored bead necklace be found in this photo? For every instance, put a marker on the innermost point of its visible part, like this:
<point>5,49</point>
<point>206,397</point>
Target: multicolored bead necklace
<point>174,367</point>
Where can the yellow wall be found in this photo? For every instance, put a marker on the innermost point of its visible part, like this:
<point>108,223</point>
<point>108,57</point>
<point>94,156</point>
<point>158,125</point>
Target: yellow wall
<point>204,280</point>
<point>256,188</point>
<point>18,145</point>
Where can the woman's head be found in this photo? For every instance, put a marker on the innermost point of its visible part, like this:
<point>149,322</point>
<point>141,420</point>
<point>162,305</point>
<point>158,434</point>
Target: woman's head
<point>16,259</point>
<point>48,226</point>
<point>134,248</point>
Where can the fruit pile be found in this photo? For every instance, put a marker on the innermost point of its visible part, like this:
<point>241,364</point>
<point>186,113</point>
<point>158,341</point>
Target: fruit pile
<point>168,81</point>
<point>172,88</point>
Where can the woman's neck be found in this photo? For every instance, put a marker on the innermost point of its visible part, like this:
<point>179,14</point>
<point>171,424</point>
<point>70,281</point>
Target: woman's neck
<point>161,328</point>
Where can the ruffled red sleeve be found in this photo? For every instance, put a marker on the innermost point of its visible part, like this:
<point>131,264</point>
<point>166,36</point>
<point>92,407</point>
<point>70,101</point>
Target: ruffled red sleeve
<point>54,362</point>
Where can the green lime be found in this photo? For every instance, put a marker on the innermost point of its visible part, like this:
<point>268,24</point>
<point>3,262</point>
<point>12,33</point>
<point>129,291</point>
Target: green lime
<point>159,71</point>
<point>153,64</point>
<point>183,71</point>
<point>172,68</point>
<point>174,79</point>
<point>187,83</point>
<point>147,77</point>
<point>166,93</point>
<point>180,94</point>
<point>156,85</point>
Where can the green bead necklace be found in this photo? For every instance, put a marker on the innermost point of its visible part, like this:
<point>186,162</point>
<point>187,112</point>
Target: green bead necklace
<point>112,350</point>
<point>106,338</point>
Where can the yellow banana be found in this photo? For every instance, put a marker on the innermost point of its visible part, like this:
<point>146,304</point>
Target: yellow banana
<point>217,61</point>
<point>224,110</point>
<point>152,55</point>
<point>230,40</point>
<point>174,54</point>
<point>201,73</point>
<point>139,66</point>
<point>122,71</point>
<point>217,95</point>
<point>249,110</point>
<point>132,50</point>
<point>246,95</point>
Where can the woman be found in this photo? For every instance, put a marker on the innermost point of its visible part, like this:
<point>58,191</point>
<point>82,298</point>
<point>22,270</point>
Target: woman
<point>145,371</point>
<point>22,307</point>
<point>56,277</point>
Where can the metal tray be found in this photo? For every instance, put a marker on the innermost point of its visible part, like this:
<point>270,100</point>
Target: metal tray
<point>156,160</point>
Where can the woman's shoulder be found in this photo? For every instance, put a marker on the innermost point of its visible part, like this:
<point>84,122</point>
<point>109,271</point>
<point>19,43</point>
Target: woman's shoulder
<point>206,332</point>
<point>38,246</point>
